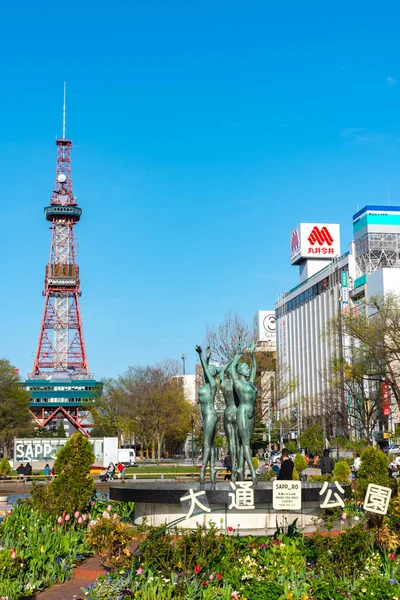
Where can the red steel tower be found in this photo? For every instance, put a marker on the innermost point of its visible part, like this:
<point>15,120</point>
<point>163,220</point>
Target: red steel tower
<point>60,384</point>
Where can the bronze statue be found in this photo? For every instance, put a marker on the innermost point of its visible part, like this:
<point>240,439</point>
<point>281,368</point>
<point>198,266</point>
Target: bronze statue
<point>206,400</point>
<point>230,422</point>
<point>243,382</point>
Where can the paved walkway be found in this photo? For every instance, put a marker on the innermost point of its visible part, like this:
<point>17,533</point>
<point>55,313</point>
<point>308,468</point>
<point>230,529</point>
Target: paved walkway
<point>84,575</point>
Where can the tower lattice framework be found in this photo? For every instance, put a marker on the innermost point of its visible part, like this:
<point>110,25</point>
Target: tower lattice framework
<point>60,384</point>
<point>61,347</point>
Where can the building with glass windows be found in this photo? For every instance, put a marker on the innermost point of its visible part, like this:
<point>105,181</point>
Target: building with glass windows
<point>329,283</point>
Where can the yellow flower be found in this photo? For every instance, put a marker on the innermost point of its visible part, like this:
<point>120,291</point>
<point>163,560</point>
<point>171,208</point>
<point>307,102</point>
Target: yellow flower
<point>290,596</point>
<point>254,551</point>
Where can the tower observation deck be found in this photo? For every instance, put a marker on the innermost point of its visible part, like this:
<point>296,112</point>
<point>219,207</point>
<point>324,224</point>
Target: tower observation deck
<point>61,384</point>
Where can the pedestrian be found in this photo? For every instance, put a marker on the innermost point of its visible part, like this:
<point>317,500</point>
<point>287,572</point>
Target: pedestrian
<point>287,466</point>
<point>121,471</point>
<point>21,471</point>
<point>397,461</point>
<point>103,475</point>
<point>327,463</point>
<point>28,469</point>
<point>46,469</point>
<point>357,464</point>
<point>228,468</point>
<point>111,470</point>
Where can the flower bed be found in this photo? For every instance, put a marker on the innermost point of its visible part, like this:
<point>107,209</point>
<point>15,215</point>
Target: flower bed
<point>206,565</point>
<point>39,550</point>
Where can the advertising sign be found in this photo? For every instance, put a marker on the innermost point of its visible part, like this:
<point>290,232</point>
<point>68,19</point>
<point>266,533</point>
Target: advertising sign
<point>266,327</point>
<point>385,399</point>
<point>314,241</point>
<point>286,495</point>
<point>45,449</point>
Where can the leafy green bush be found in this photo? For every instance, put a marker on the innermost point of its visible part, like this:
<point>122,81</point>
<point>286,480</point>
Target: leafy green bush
<point>110,539</point>
<point>373,469</point>
<point>291,445</point>
<point>73,486</point>
<point>300,462</point>
<point>263,590</point>
<point>5,467</point>
<point>313,439</point>
<point>326,477</point>
<point>255,462</point>
<point>341,471</point>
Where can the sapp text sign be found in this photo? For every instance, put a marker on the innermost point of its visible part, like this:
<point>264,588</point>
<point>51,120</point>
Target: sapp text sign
<point>286,495</point>
<point>45,449</point>
<point>314,241</point>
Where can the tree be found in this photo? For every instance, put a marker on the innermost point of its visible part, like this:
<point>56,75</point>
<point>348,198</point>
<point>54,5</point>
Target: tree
<point>152,404</point>
<point>73,486</point>
<point>15,418</point>
<point>313,439</point>
<point>353,400</point>
<point>225,340</point>
<point>61,430</point>
<point>373,327</point>
<point>373,469</point>
<point>109,411</point>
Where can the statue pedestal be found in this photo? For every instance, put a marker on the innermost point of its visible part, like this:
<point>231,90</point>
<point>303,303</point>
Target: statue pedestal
<point>160,504</point>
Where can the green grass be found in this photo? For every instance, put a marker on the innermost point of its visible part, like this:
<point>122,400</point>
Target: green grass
<point>161,469</point>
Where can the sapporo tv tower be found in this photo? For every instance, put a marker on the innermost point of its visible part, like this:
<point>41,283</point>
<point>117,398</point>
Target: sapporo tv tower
<point>61,385</point>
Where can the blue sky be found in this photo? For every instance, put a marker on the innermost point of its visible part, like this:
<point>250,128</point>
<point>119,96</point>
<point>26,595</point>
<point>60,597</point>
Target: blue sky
<point>203,132</point>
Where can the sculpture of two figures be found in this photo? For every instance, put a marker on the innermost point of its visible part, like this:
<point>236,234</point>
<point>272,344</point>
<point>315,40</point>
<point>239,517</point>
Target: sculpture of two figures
<point>240,393</point>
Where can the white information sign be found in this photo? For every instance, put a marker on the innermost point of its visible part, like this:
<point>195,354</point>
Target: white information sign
<point>286,495</point>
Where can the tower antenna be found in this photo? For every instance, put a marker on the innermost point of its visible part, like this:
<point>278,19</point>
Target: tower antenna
<point>65,109</point>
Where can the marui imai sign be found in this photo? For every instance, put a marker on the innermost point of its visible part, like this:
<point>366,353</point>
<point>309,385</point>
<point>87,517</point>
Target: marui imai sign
<point>314,241</point>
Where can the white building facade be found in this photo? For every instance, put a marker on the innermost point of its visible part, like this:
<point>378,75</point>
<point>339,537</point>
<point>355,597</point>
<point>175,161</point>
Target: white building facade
<point>330,282</point>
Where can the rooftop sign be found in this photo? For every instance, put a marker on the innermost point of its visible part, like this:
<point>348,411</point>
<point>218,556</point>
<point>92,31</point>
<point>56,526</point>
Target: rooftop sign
<point>314,241</point>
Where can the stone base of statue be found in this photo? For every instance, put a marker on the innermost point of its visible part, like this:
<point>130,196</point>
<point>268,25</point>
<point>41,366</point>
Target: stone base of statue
<point>239,507</point>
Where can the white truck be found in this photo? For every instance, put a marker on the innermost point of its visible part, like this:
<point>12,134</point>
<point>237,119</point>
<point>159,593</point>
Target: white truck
<point>44,450</point>
<point>126,456</point>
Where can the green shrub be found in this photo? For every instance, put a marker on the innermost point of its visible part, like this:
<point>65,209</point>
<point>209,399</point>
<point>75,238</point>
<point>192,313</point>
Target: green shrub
<point>373,469</point>
<point>300,462</point>
<point>341,471</point>
<point>255,462</point>
<point>326,477</point>
<point>295,475</point>
<point>5,467</point>
<point>73,486</point>
<point>264,590</point>
<point>291,446</point>
<point>110,539</point>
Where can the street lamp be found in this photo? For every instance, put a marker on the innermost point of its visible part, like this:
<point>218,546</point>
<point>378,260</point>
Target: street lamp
<point>192,423</point>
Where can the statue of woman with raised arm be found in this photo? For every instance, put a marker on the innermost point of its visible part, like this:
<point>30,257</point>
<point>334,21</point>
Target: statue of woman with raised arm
<point>243,382</point>
<point>206,400</point>
<point>230,424</point>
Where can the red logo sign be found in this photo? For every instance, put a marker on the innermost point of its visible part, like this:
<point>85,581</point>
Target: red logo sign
<point>320,236</point>
<point>295,245</point>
